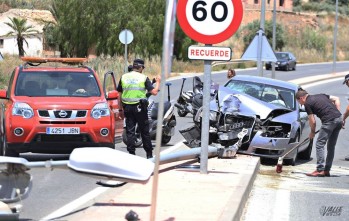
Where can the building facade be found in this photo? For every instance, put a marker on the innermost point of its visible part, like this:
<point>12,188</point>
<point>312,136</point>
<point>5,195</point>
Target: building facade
<point>281,5</point>
<point>36,18</point>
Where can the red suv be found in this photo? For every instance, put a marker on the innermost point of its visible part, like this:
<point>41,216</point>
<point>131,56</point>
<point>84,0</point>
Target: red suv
<point>56,108</point>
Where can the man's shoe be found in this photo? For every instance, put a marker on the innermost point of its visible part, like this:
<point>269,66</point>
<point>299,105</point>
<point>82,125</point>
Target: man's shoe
<point>316,174</point>
<point>346,158</point>
<point>327,173</point>
<point>133,153</point>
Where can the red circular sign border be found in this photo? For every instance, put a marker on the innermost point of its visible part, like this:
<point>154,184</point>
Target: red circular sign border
<point>209,39</point>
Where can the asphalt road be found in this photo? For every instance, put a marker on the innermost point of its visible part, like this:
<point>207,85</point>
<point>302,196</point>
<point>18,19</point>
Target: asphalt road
<point>294,196</point>
<point>53,190</point>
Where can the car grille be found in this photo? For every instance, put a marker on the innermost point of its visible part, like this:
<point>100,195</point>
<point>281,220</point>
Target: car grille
<point>62,138</point>
<point>233,122</point>
<point>62,122</point>
<point>62,114</point>
<point>268,152</point>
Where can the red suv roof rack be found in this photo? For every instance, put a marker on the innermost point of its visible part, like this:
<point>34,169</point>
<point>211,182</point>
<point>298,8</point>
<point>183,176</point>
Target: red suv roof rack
<point>60,60</point>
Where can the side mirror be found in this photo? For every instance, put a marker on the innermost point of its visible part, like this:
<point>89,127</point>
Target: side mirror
<point>112,95</point>
<point>3,94</point>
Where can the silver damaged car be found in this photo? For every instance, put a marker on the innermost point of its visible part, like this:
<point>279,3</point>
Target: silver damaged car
<point>265,108</point>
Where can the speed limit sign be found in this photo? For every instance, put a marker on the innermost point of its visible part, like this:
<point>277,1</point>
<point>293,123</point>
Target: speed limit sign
<point>209,21</point>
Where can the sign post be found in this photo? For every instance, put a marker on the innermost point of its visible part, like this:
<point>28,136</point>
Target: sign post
<point>126,37</point>
<point>208,22</point>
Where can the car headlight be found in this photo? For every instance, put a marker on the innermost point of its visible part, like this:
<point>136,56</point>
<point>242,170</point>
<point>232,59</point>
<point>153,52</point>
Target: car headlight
<point>100,110</point>
<point>22,109</point>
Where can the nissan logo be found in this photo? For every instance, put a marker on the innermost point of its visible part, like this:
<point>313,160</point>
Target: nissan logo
<point>62,113</point>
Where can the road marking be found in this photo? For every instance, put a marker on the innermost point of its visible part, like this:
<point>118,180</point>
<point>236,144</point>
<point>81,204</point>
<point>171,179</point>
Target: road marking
<point>70,207</point>
<point>308,85</point>
<point>281,207</point>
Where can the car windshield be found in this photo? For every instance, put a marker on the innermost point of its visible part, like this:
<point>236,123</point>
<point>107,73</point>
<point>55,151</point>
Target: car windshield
<point>281,55</point>
<point>46,84</point>
<point>268,93</point>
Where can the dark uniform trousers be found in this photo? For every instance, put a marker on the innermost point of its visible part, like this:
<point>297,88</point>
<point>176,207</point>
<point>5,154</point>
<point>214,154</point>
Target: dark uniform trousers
<point>133,117</point>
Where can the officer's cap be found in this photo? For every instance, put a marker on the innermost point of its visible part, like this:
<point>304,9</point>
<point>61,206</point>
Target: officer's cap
<point>137,63</point>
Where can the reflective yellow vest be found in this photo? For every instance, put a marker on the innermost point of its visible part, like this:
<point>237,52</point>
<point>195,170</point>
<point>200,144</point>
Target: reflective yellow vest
<point>133,87</point>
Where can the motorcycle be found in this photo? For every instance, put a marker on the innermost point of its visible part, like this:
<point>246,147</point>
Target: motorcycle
<point>190,101</point>
<point>168,124</point>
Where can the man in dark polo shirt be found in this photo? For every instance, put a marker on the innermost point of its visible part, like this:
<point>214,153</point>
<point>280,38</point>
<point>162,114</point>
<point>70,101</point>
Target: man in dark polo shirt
<point>326,108</point>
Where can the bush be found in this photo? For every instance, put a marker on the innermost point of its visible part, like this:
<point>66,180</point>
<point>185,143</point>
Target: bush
<point>6,68</point>
<point>312,40</point>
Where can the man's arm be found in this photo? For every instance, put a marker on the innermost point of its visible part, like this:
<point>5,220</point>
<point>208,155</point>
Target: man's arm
<point>336,101</point>
<point>346,114</point>
<point>312,123</point>
<point>156,88</point>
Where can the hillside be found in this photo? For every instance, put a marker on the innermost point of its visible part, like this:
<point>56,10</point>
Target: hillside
<point>302,29</point>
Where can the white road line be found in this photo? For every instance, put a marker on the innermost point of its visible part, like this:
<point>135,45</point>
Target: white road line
<point>70,207</point>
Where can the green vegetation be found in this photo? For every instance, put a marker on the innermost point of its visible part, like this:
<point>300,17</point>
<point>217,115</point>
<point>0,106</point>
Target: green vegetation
<point>321,6</point>
<point>84,27</point>
<point>249,32</point>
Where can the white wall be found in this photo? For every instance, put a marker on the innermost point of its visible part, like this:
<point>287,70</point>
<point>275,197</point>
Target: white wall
<point>10,46</point>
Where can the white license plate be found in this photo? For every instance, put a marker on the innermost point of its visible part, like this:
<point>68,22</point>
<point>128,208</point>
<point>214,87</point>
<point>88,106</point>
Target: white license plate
<point>62,130</point>
<point>276,65</point>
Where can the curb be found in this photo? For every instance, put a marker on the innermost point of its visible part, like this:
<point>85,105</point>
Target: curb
<point>245,195</point>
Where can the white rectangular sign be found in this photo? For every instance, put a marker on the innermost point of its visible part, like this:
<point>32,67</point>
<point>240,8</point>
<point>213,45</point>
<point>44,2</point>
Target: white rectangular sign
<point>209,53</point>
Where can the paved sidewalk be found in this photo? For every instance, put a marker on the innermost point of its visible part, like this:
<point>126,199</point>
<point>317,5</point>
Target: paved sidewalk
<point>183,193</point>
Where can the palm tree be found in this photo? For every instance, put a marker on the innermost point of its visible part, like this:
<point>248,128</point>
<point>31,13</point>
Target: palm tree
<point>22,31</point>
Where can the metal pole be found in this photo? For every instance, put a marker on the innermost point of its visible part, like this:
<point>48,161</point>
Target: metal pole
<point>274,39</point>
<point>205,120</point>
<point>259,51</point>
<point>335,40</point>
<point>170,18</point>
<point>126,51</point>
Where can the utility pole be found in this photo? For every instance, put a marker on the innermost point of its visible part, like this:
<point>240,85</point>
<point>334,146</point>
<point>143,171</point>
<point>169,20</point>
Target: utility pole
<point>274,39</point>
<point>335,41</point>
<point>259,51</point>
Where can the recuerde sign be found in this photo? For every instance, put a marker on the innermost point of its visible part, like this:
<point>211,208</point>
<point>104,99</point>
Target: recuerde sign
<point>209,53</point>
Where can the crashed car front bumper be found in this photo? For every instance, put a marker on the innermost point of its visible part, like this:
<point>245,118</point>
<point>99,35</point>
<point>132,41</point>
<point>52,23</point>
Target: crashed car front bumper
<point>268,147</point>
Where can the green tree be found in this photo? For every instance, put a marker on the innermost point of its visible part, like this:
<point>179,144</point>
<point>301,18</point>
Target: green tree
<point>21,30</point>
<point>82,25</point>
<point>249,32</point>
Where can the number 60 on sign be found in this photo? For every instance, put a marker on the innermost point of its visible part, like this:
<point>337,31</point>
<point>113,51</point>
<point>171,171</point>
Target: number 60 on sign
<point>209,21</point>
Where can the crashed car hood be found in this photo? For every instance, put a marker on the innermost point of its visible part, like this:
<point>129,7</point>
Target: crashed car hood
<point>248,105</point>
<point>62,102</point>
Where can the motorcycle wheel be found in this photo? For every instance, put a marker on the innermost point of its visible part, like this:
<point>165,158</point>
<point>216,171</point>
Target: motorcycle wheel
<point>138,141</point>
<point>181,113</point>
<point>165,139</point>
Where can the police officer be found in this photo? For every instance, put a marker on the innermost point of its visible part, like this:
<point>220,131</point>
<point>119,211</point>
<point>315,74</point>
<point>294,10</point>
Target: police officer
<point>134,85</point>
